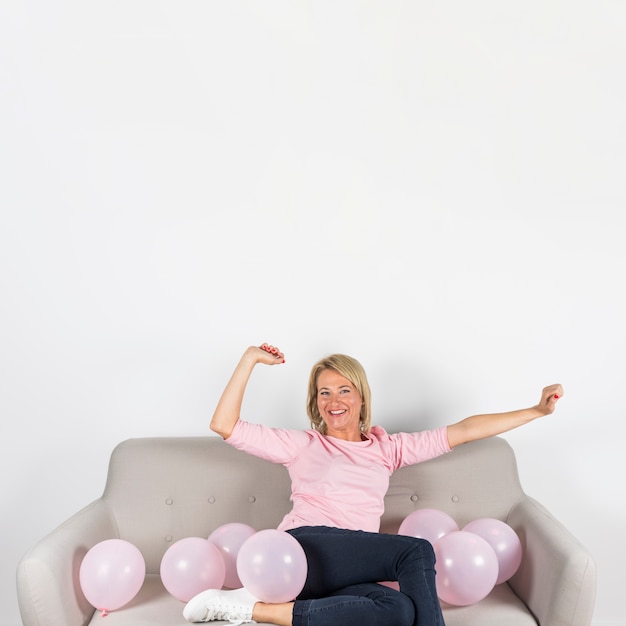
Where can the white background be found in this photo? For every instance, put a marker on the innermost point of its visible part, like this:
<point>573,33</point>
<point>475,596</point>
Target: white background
<point>436,188</point>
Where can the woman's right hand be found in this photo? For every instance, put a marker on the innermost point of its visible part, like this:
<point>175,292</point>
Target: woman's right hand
<point>268,354</point>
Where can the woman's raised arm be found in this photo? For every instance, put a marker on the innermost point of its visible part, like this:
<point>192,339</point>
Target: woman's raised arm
<point>228,408</point>
<point>483,426</point>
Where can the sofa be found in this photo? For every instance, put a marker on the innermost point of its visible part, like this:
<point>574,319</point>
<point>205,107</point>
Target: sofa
<point>159,490</point>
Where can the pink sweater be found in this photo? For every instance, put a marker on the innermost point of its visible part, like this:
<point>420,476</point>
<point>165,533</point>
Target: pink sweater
<point>334,482</point>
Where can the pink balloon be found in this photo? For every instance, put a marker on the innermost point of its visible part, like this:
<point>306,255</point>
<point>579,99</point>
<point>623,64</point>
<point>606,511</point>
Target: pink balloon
<point>505,542</point>
<point>229,538</point>
<point>467,568</point>
<point>111,574</point>
<point>429,524</point>
<point>272,566</point>
<point>192,565</point>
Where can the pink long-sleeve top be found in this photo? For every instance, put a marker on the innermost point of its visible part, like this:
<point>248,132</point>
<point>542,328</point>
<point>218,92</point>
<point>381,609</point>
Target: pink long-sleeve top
<point>335,482</point>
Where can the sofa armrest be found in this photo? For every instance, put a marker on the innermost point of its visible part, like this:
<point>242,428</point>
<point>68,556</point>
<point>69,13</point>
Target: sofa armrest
<point>557,576</point>
<point>48,586</point>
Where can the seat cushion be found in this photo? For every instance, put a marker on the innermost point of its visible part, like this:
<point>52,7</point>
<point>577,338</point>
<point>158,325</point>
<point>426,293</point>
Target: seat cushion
<point>500,608</point>
<point>153,605</point>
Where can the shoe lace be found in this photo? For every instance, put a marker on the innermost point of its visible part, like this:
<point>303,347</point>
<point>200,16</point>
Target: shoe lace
<point>224,612</point>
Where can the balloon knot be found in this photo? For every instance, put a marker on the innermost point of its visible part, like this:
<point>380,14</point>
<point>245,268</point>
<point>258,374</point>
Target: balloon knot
<point>104,613</point>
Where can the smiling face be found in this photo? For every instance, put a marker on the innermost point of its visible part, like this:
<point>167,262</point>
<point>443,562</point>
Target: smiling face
<point>339,404</point>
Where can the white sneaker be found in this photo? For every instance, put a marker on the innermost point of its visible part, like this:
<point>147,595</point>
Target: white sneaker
<point>233,605</point>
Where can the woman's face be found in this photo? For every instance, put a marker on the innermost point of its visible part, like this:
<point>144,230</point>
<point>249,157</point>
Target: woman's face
<point>339,404</point>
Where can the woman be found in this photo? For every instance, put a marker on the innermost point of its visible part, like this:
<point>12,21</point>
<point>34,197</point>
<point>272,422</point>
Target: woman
<point>340,472</point>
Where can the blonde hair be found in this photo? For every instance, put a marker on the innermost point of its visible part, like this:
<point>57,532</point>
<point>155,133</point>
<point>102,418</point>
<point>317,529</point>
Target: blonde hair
<point>351,369</point>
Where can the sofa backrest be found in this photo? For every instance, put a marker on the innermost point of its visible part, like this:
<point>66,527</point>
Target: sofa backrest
<point>164,489</point>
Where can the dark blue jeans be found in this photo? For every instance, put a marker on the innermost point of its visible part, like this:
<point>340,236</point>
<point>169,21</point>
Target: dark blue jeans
<point>344,567</point>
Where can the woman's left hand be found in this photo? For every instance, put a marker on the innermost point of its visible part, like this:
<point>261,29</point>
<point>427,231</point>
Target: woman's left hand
<point>549,397</point>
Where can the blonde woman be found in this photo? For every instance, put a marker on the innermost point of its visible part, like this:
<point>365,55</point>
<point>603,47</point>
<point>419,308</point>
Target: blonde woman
<point>340,471</point>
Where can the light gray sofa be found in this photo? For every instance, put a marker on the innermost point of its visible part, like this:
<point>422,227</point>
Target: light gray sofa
<point>160,490</point>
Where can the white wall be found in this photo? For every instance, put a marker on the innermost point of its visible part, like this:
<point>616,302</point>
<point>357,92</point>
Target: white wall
<point>434,188</point>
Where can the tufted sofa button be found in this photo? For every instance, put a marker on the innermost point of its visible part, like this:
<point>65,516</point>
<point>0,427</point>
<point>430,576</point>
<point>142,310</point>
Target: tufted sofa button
<point>455,498</point>
<point>211,500</point>
<point>168,538</point>
<point>414,498</point>
<point>169,502</point>
<point>251,499</point>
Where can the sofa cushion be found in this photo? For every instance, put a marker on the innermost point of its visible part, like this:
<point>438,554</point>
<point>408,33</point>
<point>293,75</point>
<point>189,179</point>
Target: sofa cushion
<point>154,605</point>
